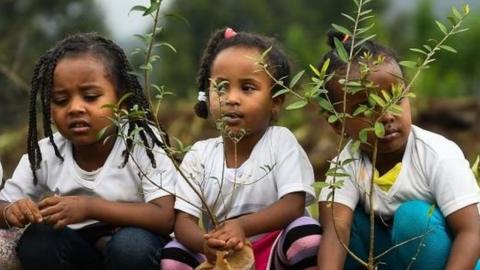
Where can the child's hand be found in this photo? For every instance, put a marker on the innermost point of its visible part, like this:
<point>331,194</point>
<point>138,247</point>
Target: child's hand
<point>209,251</point>
<point>61,211</point>
<point>228,235</point>
<point>22,212</point>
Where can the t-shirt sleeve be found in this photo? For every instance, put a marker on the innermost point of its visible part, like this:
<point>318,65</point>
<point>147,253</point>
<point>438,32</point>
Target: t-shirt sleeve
<point>191,168</point>
<point>21,184</point>
<point>348,194</point>
<point>157,181</point>
<point>454,185</point>
<point>293,170</point>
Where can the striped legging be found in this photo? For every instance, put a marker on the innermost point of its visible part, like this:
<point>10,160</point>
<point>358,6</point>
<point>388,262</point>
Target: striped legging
<point>295,248</point>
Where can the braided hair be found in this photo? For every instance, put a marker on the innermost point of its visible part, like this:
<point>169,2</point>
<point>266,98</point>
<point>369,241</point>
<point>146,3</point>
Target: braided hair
<point>276,59</point>
<point>118,69</point>
<point>337,65</point>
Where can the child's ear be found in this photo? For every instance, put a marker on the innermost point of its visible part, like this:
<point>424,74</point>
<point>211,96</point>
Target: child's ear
<point>277,103</point>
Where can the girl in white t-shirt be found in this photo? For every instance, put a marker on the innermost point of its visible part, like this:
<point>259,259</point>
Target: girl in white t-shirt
<point>256,189</point>
<point>415,170</point>
<point>89,202</point>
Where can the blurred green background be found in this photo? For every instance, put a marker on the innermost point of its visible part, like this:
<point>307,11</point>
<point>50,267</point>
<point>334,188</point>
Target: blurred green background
<point>448,94</point>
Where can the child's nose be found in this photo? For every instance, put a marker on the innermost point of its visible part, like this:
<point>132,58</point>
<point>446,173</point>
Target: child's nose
<point>387,118</point>
<point>76,106</point>
<point>232,97</point>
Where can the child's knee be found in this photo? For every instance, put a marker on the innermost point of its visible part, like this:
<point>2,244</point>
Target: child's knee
<point>176,256</point>
<point>418,216</point>
<point>303,236</point>
<point>131,246</point>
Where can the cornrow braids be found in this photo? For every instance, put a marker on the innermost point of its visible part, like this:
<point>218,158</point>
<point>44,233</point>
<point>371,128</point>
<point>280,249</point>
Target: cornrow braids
<point>119,70</point>
<point>276,59</point>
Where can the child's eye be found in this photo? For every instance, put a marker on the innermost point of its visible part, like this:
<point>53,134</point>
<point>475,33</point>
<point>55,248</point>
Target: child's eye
<point>221,86</point>
<point>248,87</point>
<point>91,97</point>
<point>59,101</point>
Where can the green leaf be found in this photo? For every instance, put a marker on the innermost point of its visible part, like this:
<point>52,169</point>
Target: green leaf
<point>147,67</point>
<point>363,135</point>
<point>145,39</point>
<point>410,95</point>
<point>365,12</point>
<point>348,160</point>
<point>342,53</point>
<point>332,119</point>
<point>409,64</point>
<point>325,104</point>
<point>348,17</point>
<point>427,47</point>
<point>365,29</point>
<point>315,70</point>
<point>356,146</point>
<point>138,8</point>
<point>342,29</point>
<point>360,110</point>
<point>441,27</point>
<point>178,17</point>
<point>336,174</point>
<point>461,30</point>
<point>386,96</point>
<point>296,78</point>
<point>320,184</point>
<point>101,133</point>
<point>456,13</point>
<point>448,48</point>
<point>453,20</point>
<point>364,40</point>
<point>418,51</point>
<point>166,44</point>
<point>153,7</point>
<point>297,105</point>
<point>395,109</point>
<point>379,129</point>
<point>378,100</point>
<point>324,68</point>
<point>281,92</point>
<point>466,9</point>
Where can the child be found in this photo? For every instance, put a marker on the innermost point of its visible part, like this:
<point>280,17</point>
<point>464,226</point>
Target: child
<point>418,169</point>
<point>250,201</point>
<point>77,191</point>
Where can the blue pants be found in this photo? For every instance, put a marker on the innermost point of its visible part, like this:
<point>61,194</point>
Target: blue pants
<point>412,219</point>
<point>130,248</point>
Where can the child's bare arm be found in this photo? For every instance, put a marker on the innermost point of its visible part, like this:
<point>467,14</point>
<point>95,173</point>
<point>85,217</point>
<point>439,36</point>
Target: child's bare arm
<point>331,254</point>
<point>465,224</point>
<point>188,232</point>
<point>274,217</point>
<point>19,213</point>
<point>157,215</point>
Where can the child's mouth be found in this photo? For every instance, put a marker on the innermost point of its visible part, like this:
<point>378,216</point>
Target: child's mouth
<point>390,135</point>
<point>79,127</point>
<point>231,118</point>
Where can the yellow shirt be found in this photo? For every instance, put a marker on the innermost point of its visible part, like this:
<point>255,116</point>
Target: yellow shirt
<point>386,181</point>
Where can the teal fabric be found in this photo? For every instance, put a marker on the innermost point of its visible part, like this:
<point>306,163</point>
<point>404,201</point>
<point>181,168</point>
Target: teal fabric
<point>412,219</point>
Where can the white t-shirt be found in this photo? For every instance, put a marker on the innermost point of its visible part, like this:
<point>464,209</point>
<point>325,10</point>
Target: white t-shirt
<point>277,166</point>
<point>112,182</point>
<point>1,172</point>
<point>434,169</point>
